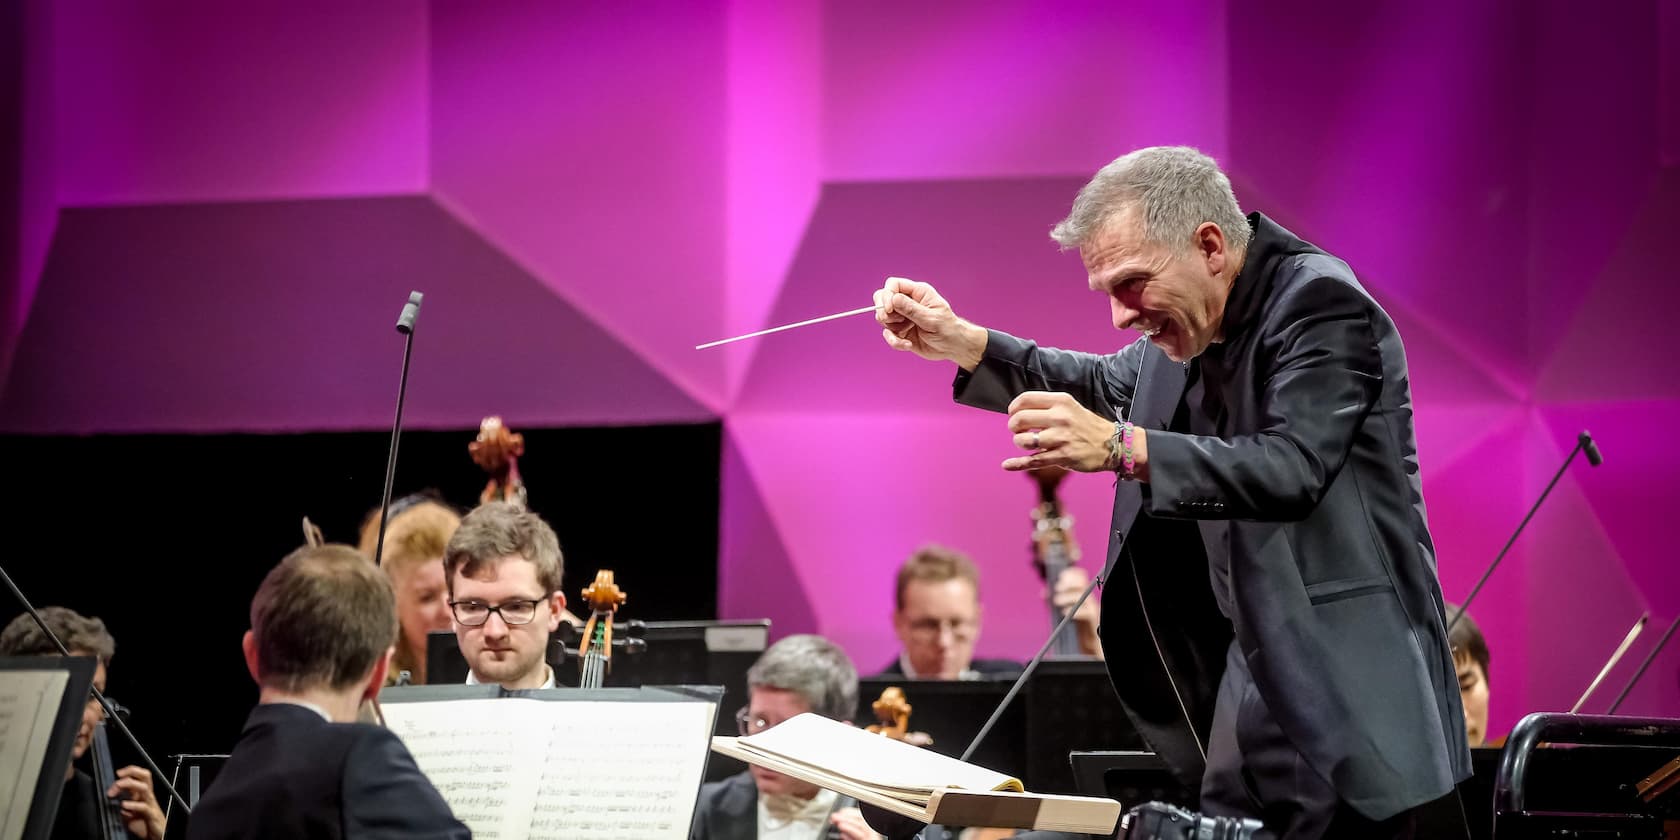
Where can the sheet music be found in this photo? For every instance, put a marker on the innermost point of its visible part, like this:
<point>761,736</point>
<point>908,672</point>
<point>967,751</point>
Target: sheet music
<point>516,768</point>
<point>891,766</point>
<point>29,702</point>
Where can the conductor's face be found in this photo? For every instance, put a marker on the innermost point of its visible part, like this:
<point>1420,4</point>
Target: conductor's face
<point>517,616</point>
<point>1176,297</point>
<point>938,625</point>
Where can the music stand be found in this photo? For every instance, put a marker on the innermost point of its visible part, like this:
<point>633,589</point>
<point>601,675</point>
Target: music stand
<point>1071,705</point>
<point>1130,777</point>
<point>67,721</point>
<point>951,711</point>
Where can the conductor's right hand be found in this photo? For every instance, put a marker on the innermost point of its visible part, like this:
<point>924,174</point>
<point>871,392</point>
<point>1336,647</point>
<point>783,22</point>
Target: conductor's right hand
<point>914,317</point>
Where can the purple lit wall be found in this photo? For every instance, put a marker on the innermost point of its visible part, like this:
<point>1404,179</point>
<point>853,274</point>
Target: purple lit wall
<point>220,203</point>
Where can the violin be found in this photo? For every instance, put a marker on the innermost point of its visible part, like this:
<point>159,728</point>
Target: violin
<point>1054,551</point>
<point>497,449</point>
<point>111,824</point>
<point>892,713</point>
<point>595,651</point>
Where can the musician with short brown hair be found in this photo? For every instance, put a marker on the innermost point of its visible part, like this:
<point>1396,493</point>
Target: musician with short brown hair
<point>936,616</point>
<point>503,571</point>
<point>323,623</point>
<point>78,816</point>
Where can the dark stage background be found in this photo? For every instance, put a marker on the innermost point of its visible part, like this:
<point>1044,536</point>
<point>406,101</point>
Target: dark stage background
<point>166,538</point>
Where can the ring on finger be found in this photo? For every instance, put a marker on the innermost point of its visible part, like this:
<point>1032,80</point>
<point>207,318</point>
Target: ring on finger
<point>1035,441</point>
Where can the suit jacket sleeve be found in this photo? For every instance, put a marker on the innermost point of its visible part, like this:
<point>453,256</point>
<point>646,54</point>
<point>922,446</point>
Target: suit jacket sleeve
<point>1011,365</point>
<point>386,795</point>
<point>1321,372</point>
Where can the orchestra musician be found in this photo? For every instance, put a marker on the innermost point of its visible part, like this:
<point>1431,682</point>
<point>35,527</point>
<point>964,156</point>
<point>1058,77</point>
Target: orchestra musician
<point>1275,624</point>
<point>77,816</point>
<point>415,538</point>
<point>936,616</point>
<point>798,674</point>
<point>503,571</point>
<point>1470,657</point>
<point>323,627</point>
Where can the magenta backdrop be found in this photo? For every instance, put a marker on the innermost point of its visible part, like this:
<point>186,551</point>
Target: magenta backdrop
<point>222,204</point>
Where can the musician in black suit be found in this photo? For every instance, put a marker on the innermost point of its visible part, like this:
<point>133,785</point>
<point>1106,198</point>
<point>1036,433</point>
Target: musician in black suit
<point>798,674</point>
<point>1275,623</point>
<point>323,627</point>
<point>78,805</point>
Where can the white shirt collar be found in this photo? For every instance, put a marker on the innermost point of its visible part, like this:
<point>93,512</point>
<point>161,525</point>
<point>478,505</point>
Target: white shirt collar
<point>787,818</point>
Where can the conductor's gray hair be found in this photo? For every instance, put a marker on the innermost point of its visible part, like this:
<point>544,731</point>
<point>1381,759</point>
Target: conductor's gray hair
<point>1176,188</point>
<point>813,668</point>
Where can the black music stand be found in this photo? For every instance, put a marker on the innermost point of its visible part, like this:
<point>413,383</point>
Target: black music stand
<point>951,711</point>
<point>1130,777</point>
<point>49,777</point>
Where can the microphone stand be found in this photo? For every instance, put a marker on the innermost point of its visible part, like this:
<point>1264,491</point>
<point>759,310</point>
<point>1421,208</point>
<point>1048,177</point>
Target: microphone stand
<point>405,325</point>
<point>104,703</point>
<point>1021,681</point>
<point>1583,443</point>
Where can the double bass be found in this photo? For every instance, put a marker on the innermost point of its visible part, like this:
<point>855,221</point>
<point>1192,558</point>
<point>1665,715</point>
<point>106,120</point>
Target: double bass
<point>496,450</point>
<point>111,823</point>
<point>595,651</point>
<point>1054,552</point>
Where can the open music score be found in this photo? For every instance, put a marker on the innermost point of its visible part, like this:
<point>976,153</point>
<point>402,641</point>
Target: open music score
<point>518,768</point>
<point>912,781</point>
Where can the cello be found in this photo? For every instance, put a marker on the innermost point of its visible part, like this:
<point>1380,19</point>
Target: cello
<point>497,449</point>
<point>111,823</point>
<point>595,651</point>
<point>1054,552</point>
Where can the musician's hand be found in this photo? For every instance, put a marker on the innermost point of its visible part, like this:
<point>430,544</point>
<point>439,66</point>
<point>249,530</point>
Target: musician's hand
<point>140,809</point>
<point>914,317</point>
<point>851,825</point>
<point>1059,432</point>
<point>1069,586</point>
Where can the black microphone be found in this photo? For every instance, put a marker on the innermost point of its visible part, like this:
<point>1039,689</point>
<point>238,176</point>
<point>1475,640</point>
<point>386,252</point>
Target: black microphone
<point>114,712</point>
<point>1583,443</point>
<point>405,325</point>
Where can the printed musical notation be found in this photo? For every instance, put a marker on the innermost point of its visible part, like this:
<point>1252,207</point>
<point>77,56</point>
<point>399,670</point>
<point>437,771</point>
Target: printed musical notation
<point>524,768</point>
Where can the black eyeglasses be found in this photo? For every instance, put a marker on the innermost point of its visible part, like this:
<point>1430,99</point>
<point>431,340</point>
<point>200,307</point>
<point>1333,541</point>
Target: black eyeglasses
<point>513,613</point>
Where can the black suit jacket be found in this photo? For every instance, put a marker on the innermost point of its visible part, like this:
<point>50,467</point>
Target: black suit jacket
<point>988,669</point>
<point>1312,481</point>
<point>728,810</point>
<point>293,774</point>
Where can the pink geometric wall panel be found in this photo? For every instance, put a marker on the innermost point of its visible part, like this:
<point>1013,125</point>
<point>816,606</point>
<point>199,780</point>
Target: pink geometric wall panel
<point>774,163</point>
<point>280,316</point>
<point>206,100</point>
<point>1401,155</point>
<point>955,90</point>
<point>587,142</point>
<point>607,186</point>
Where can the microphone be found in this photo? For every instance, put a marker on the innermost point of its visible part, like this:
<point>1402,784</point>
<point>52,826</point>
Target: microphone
<point>114,711</point>
<point>410,311</point>
<point>1583,443</point>
<point>405,325</point>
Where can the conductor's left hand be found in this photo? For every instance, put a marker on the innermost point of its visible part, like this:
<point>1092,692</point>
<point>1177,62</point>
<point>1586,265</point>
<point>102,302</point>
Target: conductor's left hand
<point>140,810</point>
<point>1059,432</point>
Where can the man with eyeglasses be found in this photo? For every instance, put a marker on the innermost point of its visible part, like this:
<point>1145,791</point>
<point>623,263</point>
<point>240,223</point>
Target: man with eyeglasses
<point>77,807</point>
<point>798,674</point>
<point>503,570</point>
<point>937,619</point>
